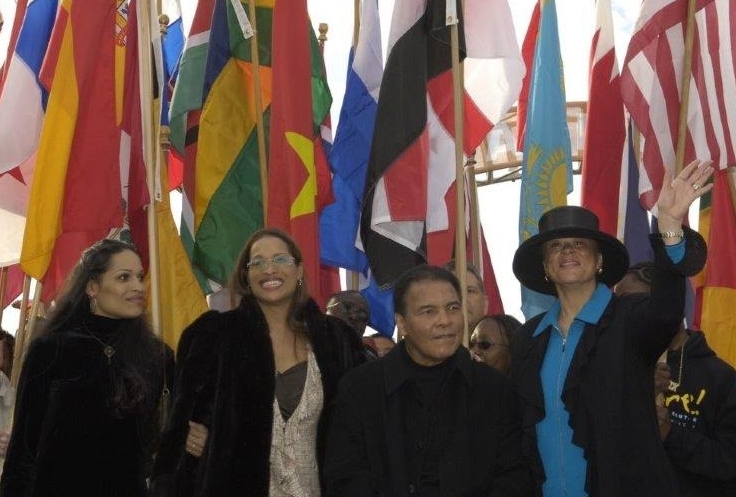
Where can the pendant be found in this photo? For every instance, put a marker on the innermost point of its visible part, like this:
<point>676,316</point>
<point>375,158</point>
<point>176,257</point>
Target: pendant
<point>109,351</point>
<point>673,386</point>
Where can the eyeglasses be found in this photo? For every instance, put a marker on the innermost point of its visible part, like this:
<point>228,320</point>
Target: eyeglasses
<point>485,344</point>
<point>280,261</point>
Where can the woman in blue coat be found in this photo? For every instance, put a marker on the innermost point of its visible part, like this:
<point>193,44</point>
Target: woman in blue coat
<point>584,368</point>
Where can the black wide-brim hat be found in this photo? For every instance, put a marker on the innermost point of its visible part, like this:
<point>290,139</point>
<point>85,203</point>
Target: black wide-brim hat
<point>568,222</point>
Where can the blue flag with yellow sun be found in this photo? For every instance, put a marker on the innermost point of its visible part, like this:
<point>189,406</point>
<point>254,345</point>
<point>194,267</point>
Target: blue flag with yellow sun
<point>546,175</point>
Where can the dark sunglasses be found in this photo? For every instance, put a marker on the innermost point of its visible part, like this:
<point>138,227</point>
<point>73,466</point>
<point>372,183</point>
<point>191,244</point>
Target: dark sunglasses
<point>485,344</point>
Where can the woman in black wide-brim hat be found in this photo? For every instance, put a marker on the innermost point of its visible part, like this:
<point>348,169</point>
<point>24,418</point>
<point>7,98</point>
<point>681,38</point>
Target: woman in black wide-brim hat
<point>584,368</point>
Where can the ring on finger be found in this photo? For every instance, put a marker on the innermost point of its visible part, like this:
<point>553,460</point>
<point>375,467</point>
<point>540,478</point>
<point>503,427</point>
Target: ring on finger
<point>695,186</point>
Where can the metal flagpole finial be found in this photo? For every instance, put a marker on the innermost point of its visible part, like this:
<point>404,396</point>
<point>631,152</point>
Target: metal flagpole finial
<point>163,24</point>
<point>323,28</point>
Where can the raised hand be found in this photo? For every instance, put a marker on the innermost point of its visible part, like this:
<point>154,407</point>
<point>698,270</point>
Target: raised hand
<point>678,195</point>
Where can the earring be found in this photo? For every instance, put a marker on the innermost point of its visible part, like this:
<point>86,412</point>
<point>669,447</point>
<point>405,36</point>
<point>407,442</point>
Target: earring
<point>92,304</point>
<point>600,270</point>
<point>546,278</point>
<point>299,282</point>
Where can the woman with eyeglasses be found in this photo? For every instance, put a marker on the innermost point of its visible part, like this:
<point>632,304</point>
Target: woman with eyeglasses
<point>257,382</point>
<point>491,340</point>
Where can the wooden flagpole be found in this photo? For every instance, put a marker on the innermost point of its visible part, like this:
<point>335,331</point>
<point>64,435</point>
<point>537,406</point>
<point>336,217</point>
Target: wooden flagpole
<point>474,214</point>
<point>353,277</point>
<point>3,272</point>
<point>260,127</point>
<point>682,122</point>
<point>458,91</point>
<point>150,146</point>
<point>686,77</point>
<point>20,336</point>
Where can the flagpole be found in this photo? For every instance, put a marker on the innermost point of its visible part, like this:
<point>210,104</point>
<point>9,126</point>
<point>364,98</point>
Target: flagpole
<point>4,269</point>
<point>686,76</point>
<point>460,241</point>
<point>356,23</point>
<point>731,186</point>
<point>682,122</point>
<point>152,159</point>
<point>20,336</point>
<point>474,214</point>
<point>352,278</point>
<point>260,131</point>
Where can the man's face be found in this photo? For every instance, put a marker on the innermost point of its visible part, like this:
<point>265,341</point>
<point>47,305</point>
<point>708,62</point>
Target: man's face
<point>477,302</point>
<point>433,322</point>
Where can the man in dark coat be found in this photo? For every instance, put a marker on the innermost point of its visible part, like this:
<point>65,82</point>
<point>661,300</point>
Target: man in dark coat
<point>426,419</point>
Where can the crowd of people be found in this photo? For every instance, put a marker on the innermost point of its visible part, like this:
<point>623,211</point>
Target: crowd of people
<point>605,394</point>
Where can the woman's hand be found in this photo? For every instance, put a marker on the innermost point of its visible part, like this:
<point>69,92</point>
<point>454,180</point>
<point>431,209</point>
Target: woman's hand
<point>196,439</point>
<point>677,195</point>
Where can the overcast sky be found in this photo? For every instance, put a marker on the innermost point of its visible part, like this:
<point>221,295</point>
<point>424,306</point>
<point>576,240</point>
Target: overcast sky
<point>576,23</point>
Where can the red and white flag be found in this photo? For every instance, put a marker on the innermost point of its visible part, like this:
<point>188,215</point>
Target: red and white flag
<point>605,130</point>
<point>651,85</point>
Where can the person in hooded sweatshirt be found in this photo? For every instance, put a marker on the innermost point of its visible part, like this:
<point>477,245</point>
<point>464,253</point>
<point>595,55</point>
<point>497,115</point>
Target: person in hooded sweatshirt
<point>698,418</point>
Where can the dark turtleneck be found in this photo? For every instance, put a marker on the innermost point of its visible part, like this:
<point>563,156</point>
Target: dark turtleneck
<point>103,327</point>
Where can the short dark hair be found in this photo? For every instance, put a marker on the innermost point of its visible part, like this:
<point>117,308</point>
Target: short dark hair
<point>416,274</point>
<point>643,271</point>
<point>508,324</point>
<point>338,296</point>
<point>452,266</point>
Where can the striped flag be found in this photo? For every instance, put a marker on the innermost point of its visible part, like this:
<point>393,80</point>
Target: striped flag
<point>340,220</point>
<point>527,52</point>
<point>605,130</point>
<point>78,155</point>
<point>411,167</point>
<point>546,176</point>
<point>651,85</point>
<point>20,12</point>
<point>393,231</point>
<point>716,285</point>
<point>225,192</point>
<point>22,107</point>
<point>184,115</point>
<point>181,297</point>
